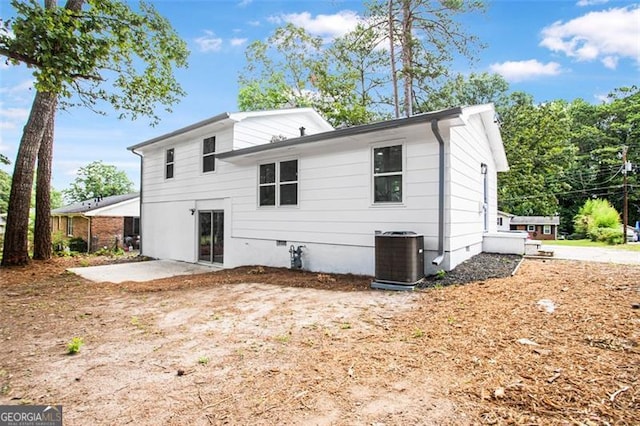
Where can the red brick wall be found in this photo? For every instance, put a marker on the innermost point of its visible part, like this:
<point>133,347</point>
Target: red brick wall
<point>106,231</point>
<point>538,233</point>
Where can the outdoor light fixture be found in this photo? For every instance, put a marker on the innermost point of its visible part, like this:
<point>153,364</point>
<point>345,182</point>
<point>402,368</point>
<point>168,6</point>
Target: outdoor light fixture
<point>192,211</point>
<point>483,168</point>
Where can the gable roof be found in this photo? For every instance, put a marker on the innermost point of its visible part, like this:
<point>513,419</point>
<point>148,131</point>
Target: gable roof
<point>235,117</point>
<point>486,111</point>
<point>535,220</point>
<point>94,204</point>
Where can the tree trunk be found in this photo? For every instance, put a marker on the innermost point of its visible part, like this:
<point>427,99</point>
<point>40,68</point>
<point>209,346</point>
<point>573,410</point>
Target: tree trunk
<point>407,56</point>
<point>16,248</point>
<point>392,51</point>
<point>42,229</point>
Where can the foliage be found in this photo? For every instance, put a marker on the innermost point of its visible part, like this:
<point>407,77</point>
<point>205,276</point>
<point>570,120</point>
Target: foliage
<point>538,148</point>
<point>472,90</point>
<point>4,159</point>
<point>600,221</point>
<point>5,189</point>
<point>106,52</point>
<point>98,180</point>
<point>290,69</point>
<point>60,242</point>
<point>78,244</point>
<point>73,347</point>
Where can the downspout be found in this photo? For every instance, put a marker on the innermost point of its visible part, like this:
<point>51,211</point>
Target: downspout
<point>436,131</point>
<point>140,202</point>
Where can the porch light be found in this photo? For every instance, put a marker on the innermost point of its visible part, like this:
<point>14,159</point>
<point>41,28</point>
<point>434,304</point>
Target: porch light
<point>483,168</point>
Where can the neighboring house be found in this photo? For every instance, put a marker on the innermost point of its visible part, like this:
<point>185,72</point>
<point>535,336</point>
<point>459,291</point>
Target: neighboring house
<point>3,223</point>
<point>538,227</point>
<point>101,222</point>
<point>246,188</point>
<point>504,221</point>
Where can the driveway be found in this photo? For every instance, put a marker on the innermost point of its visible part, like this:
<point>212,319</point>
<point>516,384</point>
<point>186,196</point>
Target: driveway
<point>595,254</point>
<point>141,271</point>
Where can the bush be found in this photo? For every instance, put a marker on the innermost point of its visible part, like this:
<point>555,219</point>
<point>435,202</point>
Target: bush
<point>607,235</point>
<point>59,241</point>
<point>78,244</point>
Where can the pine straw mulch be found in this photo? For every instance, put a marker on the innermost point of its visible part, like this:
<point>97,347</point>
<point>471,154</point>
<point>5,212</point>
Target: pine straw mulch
<point>579,364</point>
<point>489,346</point>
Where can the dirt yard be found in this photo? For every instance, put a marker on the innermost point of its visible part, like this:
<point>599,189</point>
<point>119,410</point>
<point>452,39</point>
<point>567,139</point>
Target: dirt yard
<point>555,344</point>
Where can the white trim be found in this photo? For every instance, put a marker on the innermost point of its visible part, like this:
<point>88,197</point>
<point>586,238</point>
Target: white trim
<point>210,154</point>
<point>277,184</point>
<point>546,229</point>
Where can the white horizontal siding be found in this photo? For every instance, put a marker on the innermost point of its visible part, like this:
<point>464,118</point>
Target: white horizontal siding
<point>259,130</point>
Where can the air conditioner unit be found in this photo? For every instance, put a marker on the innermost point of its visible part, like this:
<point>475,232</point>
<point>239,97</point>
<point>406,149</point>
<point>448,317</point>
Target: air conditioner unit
<point>399,259</point>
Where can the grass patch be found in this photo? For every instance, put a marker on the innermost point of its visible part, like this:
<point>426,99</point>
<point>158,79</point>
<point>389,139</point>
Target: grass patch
<point>589,243</point>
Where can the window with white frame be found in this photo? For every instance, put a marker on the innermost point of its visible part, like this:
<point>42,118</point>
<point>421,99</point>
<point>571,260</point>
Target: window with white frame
<point>546,230</point>
<point>531,228</point>
<point>69,225</point>
<point>169,162</point>
<point>278,184</point>
<point>499,221</point>
<point>387,174</point>
<point>209,154</point>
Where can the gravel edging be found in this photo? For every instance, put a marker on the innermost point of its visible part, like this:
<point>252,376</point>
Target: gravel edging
<point>480,267</point>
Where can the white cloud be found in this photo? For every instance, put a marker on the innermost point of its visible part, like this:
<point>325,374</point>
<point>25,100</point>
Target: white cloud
<point>515,71</point>
<point>325,26</point>
<point>19,88</point>
<point>209,42</point>
<point>245,3</point>
<point>583,3</point>
<point>607,35</point>
<point>603,98</point>
<point>238,41</point>
<point>254,23</point>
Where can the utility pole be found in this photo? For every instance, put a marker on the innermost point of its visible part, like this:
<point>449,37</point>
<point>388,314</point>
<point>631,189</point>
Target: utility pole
<point>625,213</point>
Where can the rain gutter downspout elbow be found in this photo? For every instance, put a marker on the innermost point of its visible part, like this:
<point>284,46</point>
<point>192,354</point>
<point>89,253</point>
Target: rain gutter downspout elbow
<point>436,131</point>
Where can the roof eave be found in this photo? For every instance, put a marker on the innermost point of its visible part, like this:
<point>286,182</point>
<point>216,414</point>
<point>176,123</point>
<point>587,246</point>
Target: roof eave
<point>345,132</point>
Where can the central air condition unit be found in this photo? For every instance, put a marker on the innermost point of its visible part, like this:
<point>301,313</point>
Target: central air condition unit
<point>399,260</point>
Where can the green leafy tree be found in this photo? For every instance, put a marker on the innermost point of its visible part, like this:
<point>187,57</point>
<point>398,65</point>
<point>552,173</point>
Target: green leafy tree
<point>98,180</point>
<point>538,148</point>
<point>291,69</point>
<point>90,53</point>
<point>601,133</point>
<point>471,90</point>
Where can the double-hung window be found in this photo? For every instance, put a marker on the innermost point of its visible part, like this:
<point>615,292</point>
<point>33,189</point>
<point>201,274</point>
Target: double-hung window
<point>69,226</point>
<point>387,174</point>
<point>546,230</point>
<point>278,184</point>
<point>209,154</point>
<point>531,228</point>
<point>168,165</point>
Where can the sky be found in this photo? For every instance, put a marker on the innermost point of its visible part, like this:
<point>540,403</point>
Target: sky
<point>551,49</point>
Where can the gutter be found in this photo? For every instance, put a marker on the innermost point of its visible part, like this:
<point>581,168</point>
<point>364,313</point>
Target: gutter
<point>436,131</point>
<point>133,149</point>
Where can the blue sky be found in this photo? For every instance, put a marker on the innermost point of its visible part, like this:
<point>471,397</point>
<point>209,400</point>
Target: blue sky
<point>551,49</point>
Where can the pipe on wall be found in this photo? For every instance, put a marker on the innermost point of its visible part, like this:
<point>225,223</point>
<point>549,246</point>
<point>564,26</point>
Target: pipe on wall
<point>441,176</point>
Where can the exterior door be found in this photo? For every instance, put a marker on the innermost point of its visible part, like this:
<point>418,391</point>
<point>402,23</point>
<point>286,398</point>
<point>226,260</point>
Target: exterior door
<point>211,236</point>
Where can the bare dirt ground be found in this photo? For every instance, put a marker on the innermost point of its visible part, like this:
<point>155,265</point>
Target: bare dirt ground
<point>264,346</point>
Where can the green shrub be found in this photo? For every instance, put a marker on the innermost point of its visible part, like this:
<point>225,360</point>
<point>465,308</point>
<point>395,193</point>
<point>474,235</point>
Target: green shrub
<point>73,347</point>
<point>59,241</point>
<point>598,220</point>
<point>78,244</point>
<point>607,235</point>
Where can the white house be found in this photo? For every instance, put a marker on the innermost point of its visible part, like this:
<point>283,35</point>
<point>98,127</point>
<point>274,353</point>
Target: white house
<point>242,188</point>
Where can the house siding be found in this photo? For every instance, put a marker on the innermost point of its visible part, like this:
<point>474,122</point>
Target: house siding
<point>335,219</point>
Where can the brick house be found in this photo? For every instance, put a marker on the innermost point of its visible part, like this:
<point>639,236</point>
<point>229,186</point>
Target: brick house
<point>538,227</point>
<point>112,222</point>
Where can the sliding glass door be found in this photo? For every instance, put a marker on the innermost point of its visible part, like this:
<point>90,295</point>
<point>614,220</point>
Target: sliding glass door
<point>211,236</point>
